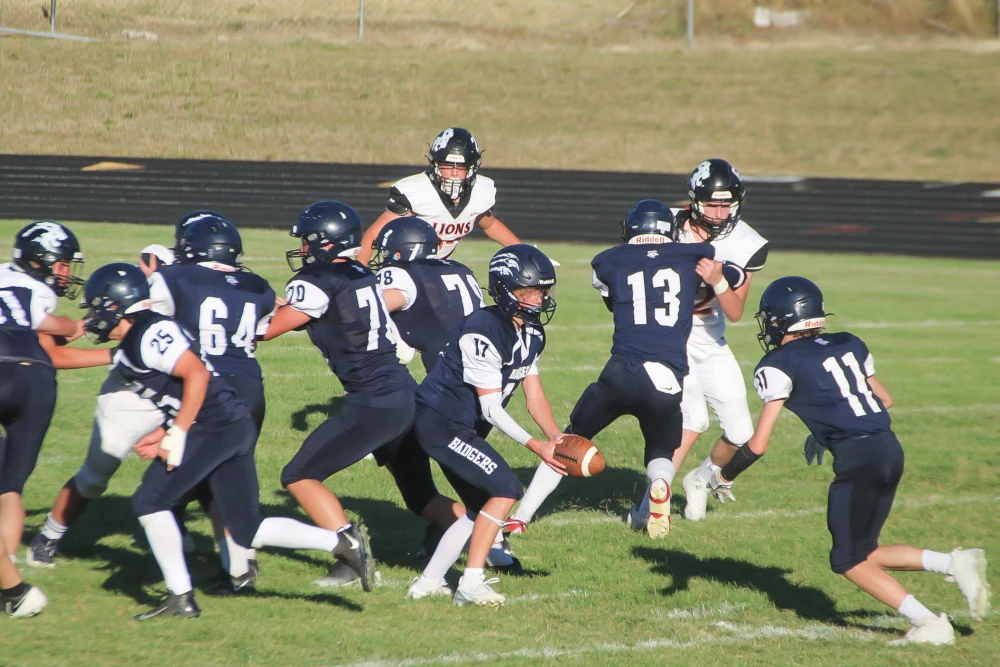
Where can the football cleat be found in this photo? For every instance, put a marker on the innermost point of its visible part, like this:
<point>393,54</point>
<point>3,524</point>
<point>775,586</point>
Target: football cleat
<point>658,523</point>
<point>241,585</point>
<point>515,527</point>
<point>417,592</point>
<point>354,550</point>
<point>636,518</point>
<point>182,605</point>
<point>29,603</point>
<point>501,558</point>
<point>432,535</point>
<point>42,552</point>
<point>968,569</point>
<point>696,490</point>
<point>339,576</point>
<point>482,594</point>
<point>936,631</point>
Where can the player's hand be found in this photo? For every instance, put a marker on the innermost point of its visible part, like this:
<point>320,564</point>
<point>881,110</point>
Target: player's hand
<point>280,301</point>
<point>80,331</point>
<point>814,449</point>
<point>149,445</point>
<point>710,271</point>
<point>546,451</point>
<point>721,489</point>
<point>173,444</point>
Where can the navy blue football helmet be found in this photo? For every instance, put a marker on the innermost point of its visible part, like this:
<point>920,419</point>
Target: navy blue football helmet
<point>210,238</point>
<point>649,217</point>
<point>455,147</point>
<point>43,244</point>
<point>788,305</point>
<point>112,292</point>
<point>715,181</point>
<point>193,216</point>
<point>517,266</point>
<point>328,229</point>
<point>403,240</point>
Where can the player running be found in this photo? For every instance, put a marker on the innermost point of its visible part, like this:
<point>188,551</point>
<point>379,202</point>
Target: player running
<point>828,381</point>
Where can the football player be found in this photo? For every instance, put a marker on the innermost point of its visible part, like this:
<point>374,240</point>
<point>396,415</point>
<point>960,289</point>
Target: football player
<point>153,257</point>
<point>716,192</point>
<point>828,381</point>
<point>46,259</point>
<point>427,297</point>
<point>492,352</point>
<point>450,194</point>
<point>649,284</point>
<point>336,300</point>
<point>207,434</point>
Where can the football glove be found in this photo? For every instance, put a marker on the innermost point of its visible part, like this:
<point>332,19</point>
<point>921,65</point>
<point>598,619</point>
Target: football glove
<point>814,449</point>
<point>720,489</point>
<point>173,442</point>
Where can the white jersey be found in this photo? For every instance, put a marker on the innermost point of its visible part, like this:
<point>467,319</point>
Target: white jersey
<point>418,195</point>
<point>738,247</point>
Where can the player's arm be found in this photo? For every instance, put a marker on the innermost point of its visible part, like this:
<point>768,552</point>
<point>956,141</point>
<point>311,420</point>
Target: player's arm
<point>880,390</point>
<point>305,302</point>
<point>603,290</point>
<point>60,325</point>
<point>73,357</point>
<point>190,369</point>
<point>496,230</point>
<point>491,403</point>
<point>539,407</point>
<point>731,301</point>
<point>368,238</point>
<point>285,319</point>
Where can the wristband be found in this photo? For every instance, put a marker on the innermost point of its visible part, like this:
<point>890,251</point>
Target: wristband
<point>722,287</point>
<point>173,442</point>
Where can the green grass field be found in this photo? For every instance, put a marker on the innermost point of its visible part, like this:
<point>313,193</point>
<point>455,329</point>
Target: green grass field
<point>750,585</point>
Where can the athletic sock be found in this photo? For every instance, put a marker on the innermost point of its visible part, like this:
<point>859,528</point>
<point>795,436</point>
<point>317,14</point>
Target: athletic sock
<point>935,561</point>
<point>15,591</point>
<point>471,578</point>
<point>53,529</point>
<point>661,469</point>
<point>707,468</point>
<point>292,534</point>
<point>449,549</point>
<point>542,485</point>
<point>234,559</point>
<point>913,610</point>
<point>165,541</point>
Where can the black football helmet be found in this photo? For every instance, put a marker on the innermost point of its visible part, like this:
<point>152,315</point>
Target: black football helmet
<point>330,229</point>
<point>788,305</point>
<point>210,238</point>
<point>43,244</point>
<point>457,147</point>
<point>517,266</point>
<point>404,240</point>
<point>715,181</point>
<point>650,217</point>
<point>112,292</point>
<point>193,216</point>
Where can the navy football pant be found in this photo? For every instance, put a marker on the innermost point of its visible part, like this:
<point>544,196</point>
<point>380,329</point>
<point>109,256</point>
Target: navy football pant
<point>867,471</point>
<point>221,455</point>
<point>473,468</point>
<point>624,388</point>
<point>27,400</point>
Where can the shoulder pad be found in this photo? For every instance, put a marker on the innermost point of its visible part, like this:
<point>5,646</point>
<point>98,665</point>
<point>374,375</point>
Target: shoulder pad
<point>740,245</point>
<point>397,202</point>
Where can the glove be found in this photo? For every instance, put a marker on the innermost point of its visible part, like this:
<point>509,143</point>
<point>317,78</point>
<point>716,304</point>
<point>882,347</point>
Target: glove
<point>173,443</point>
<point>720,489</point>
<point>814,449</point>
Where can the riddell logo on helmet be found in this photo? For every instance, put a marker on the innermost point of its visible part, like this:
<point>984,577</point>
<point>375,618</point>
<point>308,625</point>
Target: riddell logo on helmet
<point>814,323</point>
<point>455,158</point>
<point>722,194</point>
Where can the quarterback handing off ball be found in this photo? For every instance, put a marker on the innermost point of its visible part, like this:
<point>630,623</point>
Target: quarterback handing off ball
<point>581,457</point>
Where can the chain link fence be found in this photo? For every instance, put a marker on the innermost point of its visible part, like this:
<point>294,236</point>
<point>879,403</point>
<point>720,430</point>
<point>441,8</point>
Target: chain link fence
<point>499,24</point>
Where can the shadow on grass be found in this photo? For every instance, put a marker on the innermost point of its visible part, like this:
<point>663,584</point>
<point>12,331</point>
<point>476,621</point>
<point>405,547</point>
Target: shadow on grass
<point>614,491</point>
<point>299,418</point>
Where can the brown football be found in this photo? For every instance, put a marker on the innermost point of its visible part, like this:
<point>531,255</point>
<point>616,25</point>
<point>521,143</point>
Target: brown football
<point>581,457</point>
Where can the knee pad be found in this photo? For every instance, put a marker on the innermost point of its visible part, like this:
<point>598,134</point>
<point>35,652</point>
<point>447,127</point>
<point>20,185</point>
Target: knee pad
<point>89,484</point>
<point>737,426</point>
<point>695,419</point>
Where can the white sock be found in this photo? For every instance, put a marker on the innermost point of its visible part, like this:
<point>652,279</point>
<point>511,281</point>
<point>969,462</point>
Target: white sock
<point>935,561</point>
<point>913,610</point>
<point>542,485</point>
<point>472,577</point>
<point>237,557</point>
<point>661,469</point>
<point>707,468</point>
<point>449,549</point>
<point>292,534</point>
<point>165,541</point>
<point>53,529</point>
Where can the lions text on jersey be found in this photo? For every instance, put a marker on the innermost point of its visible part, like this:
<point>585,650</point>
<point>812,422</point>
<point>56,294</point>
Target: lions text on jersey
<point>438,294</point>
<point>24,304</point>
<point>418,195</point>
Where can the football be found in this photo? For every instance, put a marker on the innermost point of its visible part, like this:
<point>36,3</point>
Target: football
<point>581,457</point>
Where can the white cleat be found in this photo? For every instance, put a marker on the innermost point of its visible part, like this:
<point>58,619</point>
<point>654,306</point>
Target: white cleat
<point>696,490</point>
<point>636,518</point>
<point>968,570</point>
<point>31,603</point>
<point>936,631</point>
<point>658,523</point>
<point>417,592</point>
<point>482,595</point>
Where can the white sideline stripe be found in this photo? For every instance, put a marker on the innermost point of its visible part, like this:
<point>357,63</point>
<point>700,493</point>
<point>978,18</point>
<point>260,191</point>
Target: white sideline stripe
<point>786,514</point>
<point>736,633</point>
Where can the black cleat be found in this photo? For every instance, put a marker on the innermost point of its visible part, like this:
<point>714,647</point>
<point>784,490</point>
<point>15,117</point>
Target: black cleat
<point>355,552</point>
<point>244,584</point>
<point>174,605</point>
<point>42,552</point>
<point>340,575</point>
<point>29,602</point>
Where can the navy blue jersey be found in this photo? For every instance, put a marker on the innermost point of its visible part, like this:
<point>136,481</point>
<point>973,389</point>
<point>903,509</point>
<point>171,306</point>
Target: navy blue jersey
<point>349,325</point>
<point>439,293</point>
<point>824,380</point>
<point>652,292</point>
<point>24,305</point>
<point>226,310</point>
<point>486,351</point>
<point>146,358</point>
